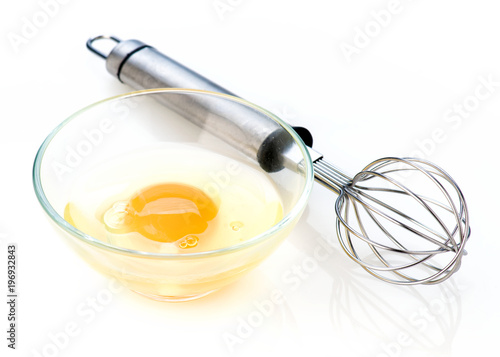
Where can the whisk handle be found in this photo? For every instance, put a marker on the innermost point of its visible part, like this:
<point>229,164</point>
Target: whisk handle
<point>143,67</point>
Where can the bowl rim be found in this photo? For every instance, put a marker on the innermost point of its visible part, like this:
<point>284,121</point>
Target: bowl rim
<point>74,232</point>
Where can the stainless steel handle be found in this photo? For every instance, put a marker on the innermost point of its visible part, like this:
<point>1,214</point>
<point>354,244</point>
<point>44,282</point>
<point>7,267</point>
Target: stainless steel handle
<point>143,67</point>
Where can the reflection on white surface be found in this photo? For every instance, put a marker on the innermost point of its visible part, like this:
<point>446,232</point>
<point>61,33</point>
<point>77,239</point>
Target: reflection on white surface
<point>392,320</point>
<point>248,318</point>
<point>373,318</point>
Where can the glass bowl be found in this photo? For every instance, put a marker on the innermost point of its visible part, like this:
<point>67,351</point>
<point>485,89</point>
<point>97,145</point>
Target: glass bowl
<point>108,135</point>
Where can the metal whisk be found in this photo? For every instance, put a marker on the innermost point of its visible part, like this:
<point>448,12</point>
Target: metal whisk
<point>384,222</point>
<point>390,228</point>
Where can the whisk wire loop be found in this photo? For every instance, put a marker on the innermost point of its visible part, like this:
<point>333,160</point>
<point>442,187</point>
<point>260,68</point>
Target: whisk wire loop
<point>389,230</point>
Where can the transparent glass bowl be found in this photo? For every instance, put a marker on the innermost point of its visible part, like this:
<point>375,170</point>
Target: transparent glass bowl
<point>111,128</point>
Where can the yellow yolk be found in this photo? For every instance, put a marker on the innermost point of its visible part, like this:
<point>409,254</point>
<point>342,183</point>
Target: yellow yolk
<point>163,213</point>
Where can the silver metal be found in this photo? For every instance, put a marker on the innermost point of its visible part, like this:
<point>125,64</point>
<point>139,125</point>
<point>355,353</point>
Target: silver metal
<point>384,222</point>
<point>90,44</point>
<point>387,225</point>
<point>143,67</point>
<point>315,156</point>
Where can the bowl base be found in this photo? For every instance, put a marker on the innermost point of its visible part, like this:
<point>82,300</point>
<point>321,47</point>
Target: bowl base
<point>164,298</point>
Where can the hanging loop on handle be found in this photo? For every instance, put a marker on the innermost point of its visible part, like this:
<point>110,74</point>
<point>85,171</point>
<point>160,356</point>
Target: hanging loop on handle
<point>91,41</point>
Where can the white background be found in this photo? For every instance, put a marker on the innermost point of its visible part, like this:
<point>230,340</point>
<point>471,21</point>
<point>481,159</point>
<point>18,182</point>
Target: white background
<point>384,100</point>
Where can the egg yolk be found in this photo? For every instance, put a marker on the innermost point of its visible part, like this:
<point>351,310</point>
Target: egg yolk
<point>164,213</point>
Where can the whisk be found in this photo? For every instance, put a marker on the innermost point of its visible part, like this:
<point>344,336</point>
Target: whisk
<point>384,222</point>
<point>422,247</point>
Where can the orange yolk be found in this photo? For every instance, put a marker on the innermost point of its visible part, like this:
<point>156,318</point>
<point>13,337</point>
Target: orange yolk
<point>164,213</point>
